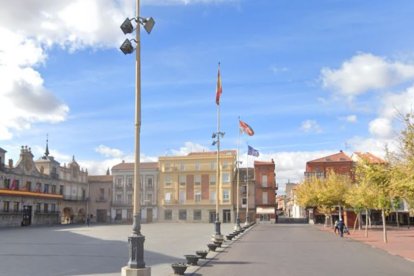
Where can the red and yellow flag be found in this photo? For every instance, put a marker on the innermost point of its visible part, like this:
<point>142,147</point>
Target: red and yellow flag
<point>219,89</point>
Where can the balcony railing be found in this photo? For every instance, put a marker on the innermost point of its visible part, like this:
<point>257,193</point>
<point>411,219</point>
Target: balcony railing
<point>74,198</point>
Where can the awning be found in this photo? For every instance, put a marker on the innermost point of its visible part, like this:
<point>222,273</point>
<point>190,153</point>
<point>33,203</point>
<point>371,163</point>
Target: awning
<point>265,210</point>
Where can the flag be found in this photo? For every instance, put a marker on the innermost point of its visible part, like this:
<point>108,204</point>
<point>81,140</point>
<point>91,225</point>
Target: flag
<point>246,128</point>
<point>219,89</point>
<point>252,151</point>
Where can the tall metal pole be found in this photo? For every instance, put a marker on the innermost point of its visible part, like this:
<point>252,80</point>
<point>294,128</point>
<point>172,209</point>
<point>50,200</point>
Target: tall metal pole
<point>247,189</point>
<point>136,240</point>
<point>218,182</point>
<point>238,181</point>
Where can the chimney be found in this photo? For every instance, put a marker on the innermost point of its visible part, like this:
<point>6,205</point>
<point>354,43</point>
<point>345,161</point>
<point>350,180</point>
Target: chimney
<point>11,163</point>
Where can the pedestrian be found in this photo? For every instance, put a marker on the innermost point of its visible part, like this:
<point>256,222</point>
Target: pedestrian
<point>341,226</point>
<point>336,226</point>
<point>87,221</point>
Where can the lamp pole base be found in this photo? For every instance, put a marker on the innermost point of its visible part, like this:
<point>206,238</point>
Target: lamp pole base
<point>127,271</point>
<point>237,226</point>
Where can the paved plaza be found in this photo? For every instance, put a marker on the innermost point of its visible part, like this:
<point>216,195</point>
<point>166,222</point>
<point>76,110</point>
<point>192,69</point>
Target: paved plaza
<point>97,250</point>
<point>266,249</point>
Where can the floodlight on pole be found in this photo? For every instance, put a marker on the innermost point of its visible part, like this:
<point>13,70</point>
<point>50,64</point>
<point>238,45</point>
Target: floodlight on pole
<point>127,47</point>
<point>127,27</point>
<point>147,23</point>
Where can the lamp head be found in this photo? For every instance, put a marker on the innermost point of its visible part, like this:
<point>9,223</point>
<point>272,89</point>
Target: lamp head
<point>127,47</point>
<point>148,24</point>
<point>127,27</point>
<point>214,142</point>
<point>214,135</point>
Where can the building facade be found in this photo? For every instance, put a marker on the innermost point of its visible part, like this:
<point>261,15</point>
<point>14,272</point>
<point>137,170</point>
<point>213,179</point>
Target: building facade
<point>188,187</point>
<point>266,188</point>
<point>28,196</point>
<point>122,195</point>
<point>247,195</point>
<point>100,198</point>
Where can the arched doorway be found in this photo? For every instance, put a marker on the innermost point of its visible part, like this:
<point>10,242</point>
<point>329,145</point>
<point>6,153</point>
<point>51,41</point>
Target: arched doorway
<point>67,216</point>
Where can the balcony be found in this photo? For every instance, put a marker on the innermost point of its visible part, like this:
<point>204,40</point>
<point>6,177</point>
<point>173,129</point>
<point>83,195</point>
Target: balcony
<point>74,198</point>
<point>101,199</point>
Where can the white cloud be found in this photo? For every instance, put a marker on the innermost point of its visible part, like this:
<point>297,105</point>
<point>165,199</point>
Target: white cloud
<point>109,152</point>
<point>365,72</point>
<point>351,118</point>
<point>310,126</point>
<point>186,2</point>
<point>188,148</point>
<point>374,145</point>
<point>28,30</point>
<point>381,127</point>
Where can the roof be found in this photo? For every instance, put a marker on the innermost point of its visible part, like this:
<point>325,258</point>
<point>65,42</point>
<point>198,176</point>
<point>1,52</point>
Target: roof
<point>212,152</point>
<point>2,150</point>
<point>369,157</point>
<point>100,178</point>
<point>258,163</point>
<point>337,157</point>
<point>130,166</point>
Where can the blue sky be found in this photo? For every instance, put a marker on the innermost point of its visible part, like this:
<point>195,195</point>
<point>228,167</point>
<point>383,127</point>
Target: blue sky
<point>310,77</point>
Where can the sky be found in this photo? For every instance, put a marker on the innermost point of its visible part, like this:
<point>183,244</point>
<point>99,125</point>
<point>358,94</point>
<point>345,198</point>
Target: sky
<point>310,77</point>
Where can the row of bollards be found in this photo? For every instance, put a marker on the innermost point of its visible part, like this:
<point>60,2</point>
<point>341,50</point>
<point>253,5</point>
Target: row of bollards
<point>192,260</point>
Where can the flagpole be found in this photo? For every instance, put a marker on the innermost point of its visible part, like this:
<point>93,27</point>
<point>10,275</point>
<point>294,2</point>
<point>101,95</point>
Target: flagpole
<point>218,235</point>
<point>237,227</point>
<point>247,187</point>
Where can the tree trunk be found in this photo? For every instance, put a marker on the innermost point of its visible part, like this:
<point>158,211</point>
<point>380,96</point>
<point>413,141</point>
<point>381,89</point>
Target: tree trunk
<point>355,222</point>
<point>384,228</point>
<point>366,223</point>
<point>360,220</point>
<point>397,218</point>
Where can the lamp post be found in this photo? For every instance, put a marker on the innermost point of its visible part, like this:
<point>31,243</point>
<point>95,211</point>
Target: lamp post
<point>136,264</point>
<point>217,135</point>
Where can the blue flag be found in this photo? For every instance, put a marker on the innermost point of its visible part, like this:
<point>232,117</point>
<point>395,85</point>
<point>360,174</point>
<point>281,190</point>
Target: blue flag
<point>252,151</point>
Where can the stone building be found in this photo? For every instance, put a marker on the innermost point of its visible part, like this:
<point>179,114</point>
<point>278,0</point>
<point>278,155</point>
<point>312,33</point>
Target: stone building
<point>188,187</point>
<point>28,195</point>
<point>265,196</point>
<point>122,196</point>
<point>243,196</point>
<point>100,198</point>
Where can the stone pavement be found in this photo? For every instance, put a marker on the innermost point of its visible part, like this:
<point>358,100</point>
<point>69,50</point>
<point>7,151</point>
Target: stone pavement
<point>400,240</point>
<point>297,250</point>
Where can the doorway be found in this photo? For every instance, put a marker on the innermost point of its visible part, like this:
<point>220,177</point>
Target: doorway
<point>226,216</point>
<point>211,216</point>
<point>27,215</point>
<point>149,215</point>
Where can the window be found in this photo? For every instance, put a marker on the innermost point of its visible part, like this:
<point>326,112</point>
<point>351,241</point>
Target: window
<point>182,214</point>
<point>28,186</point>
<point>46,188</point>
<point>149,198</point>
<point>118,214</point>
<point>6,206</point>
<point>167,197</point>
<point>213,166</point>
<point>212,196</point>
<point>53,207</point>
<point>168,214</point>
<point>182,196</point>
<point>101,194</point>
<point>197,179</point>
<point>197,166</point>
<point>167,180</point>
<point>212,179</point>
<point>264,180</point>
<point>149,183</point>
<point>118,198</point>
<point>197,196</point>
<point>129,198</point>
<point>119,181</point>
<point>167,167</point>
<point>226,178</point>
<point>46,208</point>
<point>225,165</point>
<point>182,180</point>
<point>16,206</point>
<point>38,207</point>
<point>264,198</point>
<point>226,195</point>
<point>129,182</point>
<point>197,215</point>
<point>53,189</point>
<point>61,189</point>
<point>244,200</point>
<point>182,167</point>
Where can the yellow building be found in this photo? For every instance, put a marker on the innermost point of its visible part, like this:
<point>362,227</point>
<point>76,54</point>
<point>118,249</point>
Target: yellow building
<point>188,187</point>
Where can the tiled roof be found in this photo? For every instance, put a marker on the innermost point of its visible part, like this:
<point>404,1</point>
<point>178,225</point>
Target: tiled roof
<point>130,166</point>
<point>263,163</point>
<point>370,157</point>
<point>337,157</point>
<point>100,178</point>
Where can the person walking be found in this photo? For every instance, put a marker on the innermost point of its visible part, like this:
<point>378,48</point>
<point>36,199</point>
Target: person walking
<point>341,226</point>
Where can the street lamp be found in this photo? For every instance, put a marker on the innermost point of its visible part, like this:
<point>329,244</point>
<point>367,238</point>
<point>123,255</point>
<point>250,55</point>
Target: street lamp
<point>217,136</point>
<point>136,264</point>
